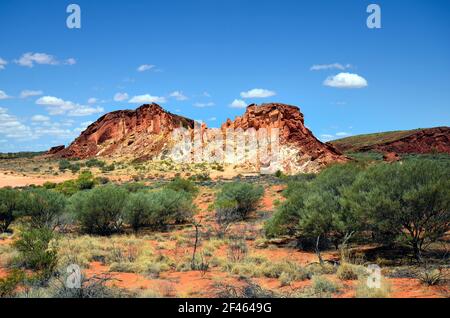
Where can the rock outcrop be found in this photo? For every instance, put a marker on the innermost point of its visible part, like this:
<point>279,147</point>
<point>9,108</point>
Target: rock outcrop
<point>55,150</point>
<point>299,150</point>
<point>145,134</point>
<point>141,134</point>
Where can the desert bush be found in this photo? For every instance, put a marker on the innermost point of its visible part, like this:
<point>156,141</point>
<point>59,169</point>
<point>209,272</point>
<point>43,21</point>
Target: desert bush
<point>108,168</point>
<point>347,272</point>
<point>37,250</point>
<point>94,162</point>
<point>68,187</point>
<point>158,209</point>
<point>244,196</point>
<point>180,184</point>
<point>314,208</point>
<point>85,180</point>
<point>408,201</point>
<point>42,208</point>
<point>137,210</point>
<point>49,185</point>
<point>9,203</point>
<point>431,277</point>
<point>323,287</point>
<point>64,165</point>
<point>9,285</point>
<point>100,211</point>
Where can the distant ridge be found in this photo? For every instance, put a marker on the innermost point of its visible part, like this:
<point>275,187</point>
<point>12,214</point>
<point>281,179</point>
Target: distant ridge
<point>420,141</point>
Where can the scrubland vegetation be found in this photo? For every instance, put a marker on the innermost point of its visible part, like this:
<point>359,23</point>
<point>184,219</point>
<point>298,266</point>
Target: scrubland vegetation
<point>156,229</point>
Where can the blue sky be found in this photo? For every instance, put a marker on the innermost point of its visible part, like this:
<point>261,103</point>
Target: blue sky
<point>196,57</point>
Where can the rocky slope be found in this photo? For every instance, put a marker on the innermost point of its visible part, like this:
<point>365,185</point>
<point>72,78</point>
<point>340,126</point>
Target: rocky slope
<point>140,133</point>
<point>409,141</point>
<point>145,133</point>
<point>299,150</point>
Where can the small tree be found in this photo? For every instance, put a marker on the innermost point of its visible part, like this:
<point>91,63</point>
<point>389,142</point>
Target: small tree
<point>37,250</point>
<point>180,184</point>
<point>9,203</point>
<point>42,208</point>
<point>137,210</point>
<point>100,211</point>
<point>407,201</point>
<point>244,196</point>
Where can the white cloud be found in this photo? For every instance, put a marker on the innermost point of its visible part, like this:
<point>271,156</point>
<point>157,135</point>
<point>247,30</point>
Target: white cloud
<point>212,119</point>
<point>342,134</point>
<point>120,97</point>
<point>145,67</point>
<point>11,127</point>
<point>346,80</point>
<point>258,93</point>
<point>3,95</point>
<point>337,66</point>
<point>29,93</point>
<point>2,63</point>
<point>178,95</point>
<point>58,106</point>
<point>146,99</point>
<point>203,105</point>
<point>71,61</point>
<point>92,100</point>
<point>39,118</point>
<point>238,103</point>
<point>28,59</point>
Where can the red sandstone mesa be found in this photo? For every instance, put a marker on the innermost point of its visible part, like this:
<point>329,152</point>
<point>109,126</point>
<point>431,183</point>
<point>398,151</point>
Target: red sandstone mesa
<point>145,133</point>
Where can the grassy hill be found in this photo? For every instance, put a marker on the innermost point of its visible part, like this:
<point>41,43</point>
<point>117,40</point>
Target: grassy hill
<point>355,143</point>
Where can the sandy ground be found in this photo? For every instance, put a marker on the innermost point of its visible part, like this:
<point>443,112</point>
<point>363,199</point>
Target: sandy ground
<point>15,180</point>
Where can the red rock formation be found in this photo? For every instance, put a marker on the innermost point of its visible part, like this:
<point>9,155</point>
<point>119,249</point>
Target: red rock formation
<point>309,151</point>
<point>144,134</point>
<point>138,133</point>
<point>423,141</point>
<point>55,150</point>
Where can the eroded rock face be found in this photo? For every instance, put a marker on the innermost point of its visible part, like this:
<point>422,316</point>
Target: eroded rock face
<point>424,141</point>
<point>140,133</point>
<point>55,150</point>
<point>300,151</point>
<point>145,134</point>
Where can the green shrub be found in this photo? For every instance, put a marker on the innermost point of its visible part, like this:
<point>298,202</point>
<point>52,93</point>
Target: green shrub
<point>180,184</point>
<point>68,188</point>
<point>37,250</point>
<point>9,203</point>
<point>85,180</point>
<point>9,284</point>
<point>49,185</point>
<point>244,196</point>
<point>137,210</point>
<point>323,287</point>
<point>314,207</point>
<point>159,208</point>
<point>42,208</point>
<point>347,272</point>
<point>64,165</point>
<point>408,201</point>
<point>94,162</point>
<point>100,211</point>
